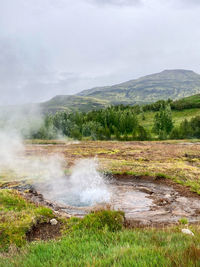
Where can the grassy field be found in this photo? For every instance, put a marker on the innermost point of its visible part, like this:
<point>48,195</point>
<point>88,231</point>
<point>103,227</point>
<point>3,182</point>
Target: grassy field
<point>177,116</point>
<point>175,160</point>
<point>98,240</point>
<point>103,248</point>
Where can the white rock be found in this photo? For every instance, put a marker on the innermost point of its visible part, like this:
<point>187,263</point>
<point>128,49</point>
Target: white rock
<point>53,221</point>
<point>187,232</point>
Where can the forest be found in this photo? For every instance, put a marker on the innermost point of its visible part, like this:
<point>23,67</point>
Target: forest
<point>123,123</point>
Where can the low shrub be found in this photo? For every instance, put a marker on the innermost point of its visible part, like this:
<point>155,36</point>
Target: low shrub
<point>104,219</point>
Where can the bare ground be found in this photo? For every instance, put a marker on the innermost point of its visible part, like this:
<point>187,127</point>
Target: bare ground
<point>178,161</point>
<point>163,163</point>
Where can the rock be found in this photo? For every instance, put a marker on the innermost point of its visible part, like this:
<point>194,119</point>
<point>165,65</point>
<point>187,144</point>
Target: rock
<point>53,221</point>
<point>146,190</point>
<point>62,214</point>
<point>187,232</point>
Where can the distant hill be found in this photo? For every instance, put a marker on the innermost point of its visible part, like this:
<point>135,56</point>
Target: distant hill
<point>174,84</point>
<point>72,103</point>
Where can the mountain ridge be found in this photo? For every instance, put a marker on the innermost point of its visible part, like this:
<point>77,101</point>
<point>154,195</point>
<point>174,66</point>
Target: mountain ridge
<point>173,84</point>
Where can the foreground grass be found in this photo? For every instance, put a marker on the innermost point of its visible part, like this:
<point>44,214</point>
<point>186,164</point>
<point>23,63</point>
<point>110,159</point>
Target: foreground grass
<point>16,217</point>
<point>106,248</point>
<point>97,240</point>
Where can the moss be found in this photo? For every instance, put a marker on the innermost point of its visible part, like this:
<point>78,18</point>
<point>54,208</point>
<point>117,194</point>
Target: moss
<point>17,216</point>
<point>100,220</point>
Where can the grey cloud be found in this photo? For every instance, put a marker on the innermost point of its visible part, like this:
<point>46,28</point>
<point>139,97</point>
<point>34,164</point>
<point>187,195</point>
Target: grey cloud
<point>191,2</point>
<point>61,47</point>
<point>116,2</point>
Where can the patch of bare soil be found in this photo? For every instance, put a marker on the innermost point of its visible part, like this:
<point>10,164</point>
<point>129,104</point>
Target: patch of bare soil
<point>181,189</point>
<point>44,231</point>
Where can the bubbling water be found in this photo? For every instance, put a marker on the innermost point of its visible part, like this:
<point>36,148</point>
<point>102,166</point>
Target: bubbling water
<point>87,185</point>
<point>84,187</point>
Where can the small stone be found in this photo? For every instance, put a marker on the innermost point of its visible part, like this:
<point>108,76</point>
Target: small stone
<point>53,221</point>
<point>187,232</point>
<point>146,190</point>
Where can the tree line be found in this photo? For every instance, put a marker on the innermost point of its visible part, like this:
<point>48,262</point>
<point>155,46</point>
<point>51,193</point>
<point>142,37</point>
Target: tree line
<point>116,123</point>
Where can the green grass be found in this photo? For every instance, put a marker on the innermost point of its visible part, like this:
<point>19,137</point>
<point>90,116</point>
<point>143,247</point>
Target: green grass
<point>177,116</point>
<point>97,240</point>
<point>187,102</point>
<point>183,221</point>
<point>17,216</point>
<point>137,247</point>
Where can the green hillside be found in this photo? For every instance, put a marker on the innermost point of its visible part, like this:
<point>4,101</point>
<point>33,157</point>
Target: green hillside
<point>185,108</point>
<point>72,103</point>
<point>174,84</point>
<point>177,115</point>
<point>187,102</point>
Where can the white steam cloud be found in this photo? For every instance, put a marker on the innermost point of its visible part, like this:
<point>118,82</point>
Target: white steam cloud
<point>14,162</point>
<point>85,185</point>
<point>10,149</point>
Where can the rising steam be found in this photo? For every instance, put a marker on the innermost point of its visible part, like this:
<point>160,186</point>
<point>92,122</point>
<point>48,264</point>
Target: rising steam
<point>85,185</point>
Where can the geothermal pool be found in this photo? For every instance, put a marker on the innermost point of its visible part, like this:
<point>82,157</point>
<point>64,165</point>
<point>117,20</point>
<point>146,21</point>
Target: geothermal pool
<point>144,202</point>
<point>122,196</point>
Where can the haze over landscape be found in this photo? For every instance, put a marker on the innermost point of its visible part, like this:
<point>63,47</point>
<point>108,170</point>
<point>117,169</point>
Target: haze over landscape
<point>51,48</point>
<point>99,133</point>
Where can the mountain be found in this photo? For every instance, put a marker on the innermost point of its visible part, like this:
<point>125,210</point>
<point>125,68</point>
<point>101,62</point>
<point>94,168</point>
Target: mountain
<point>72,103</point>
<point>174,84</point>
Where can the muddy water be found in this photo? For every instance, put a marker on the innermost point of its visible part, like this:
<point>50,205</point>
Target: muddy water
<point>146,203</point>
<point>123,196</point>
<point>129,200</point>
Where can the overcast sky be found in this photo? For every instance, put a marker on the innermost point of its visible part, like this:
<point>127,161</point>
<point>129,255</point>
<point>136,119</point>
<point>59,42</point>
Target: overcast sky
<point>51,47</point>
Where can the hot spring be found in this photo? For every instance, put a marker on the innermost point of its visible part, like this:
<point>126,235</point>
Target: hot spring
<point>143,200</point>
<point>87,187</point>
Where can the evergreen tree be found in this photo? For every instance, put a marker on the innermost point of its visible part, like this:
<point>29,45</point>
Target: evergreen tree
<point>142,134</point>
<point>163,123</point>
